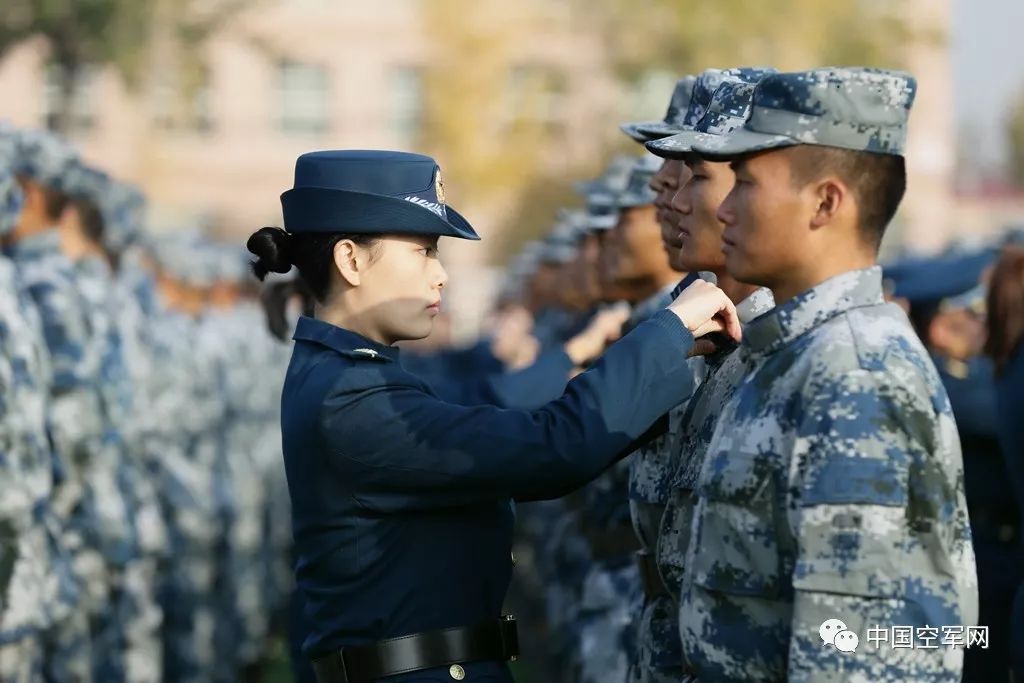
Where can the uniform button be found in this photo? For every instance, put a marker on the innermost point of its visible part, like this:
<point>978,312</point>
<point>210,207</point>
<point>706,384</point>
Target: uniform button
<point>456,672</point>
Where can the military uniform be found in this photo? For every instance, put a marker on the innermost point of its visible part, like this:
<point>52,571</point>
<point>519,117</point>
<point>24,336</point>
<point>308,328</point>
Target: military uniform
<point>833,485</point>
<point>401,502</point>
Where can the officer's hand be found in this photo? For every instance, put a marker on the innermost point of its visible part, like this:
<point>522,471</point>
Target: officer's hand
<point>704,309</point>
<point>605,328</point>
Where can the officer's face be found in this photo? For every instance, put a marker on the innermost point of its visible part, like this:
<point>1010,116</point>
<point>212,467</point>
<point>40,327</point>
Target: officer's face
<point>399,290</point>
<point>665,183</point>
<point>763,215</point>
<point>696,203</point>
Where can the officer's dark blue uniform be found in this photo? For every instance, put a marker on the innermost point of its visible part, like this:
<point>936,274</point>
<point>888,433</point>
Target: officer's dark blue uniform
<point>401,501</point>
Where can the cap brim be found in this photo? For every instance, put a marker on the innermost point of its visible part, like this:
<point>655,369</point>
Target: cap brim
<point>602,222</point>
<point>654,130</point>
<point>319,209</point>
<point>674,146</point>
<point>739,142</point>
<point>633,131</point>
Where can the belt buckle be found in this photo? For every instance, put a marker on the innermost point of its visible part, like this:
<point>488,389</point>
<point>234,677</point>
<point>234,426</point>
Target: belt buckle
<point>509,637</point>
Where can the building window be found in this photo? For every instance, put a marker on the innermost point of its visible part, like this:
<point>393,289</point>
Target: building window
<point>81,106</point>
<point>406,103</point>
<point>302,98</point>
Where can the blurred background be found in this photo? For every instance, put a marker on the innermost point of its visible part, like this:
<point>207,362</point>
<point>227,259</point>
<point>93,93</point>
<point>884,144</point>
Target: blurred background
<point>206,103</point>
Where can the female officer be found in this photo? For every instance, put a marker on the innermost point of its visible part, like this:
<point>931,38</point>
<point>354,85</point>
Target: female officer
<point>401,502</point>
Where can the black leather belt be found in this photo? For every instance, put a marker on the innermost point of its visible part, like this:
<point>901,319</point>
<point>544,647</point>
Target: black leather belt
<point>493,640</point>
<point>650,577</point>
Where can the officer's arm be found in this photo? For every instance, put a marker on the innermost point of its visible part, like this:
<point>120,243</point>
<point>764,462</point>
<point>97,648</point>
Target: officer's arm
<point>400,447</point>
<point>874,526</point>
<point>527,388</point>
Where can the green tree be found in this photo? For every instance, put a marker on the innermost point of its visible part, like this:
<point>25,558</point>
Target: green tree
<point>118,33</point>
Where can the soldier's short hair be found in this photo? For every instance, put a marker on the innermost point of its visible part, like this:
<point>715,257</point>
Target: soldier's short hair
<point>878,181</point>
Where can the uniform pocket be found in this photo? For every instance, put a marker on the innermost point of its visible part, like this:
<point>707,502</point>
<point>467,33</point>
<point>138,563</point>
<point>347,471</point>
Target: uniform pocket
<point>853,528</point>
<point>738,550</point>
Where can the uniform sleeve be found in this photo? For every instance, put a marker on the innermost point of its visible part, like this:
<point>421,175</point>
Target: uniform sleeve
<point>530,387</point>
<point>878,532</point>
<point>400,447</point>
<point>64,332</point>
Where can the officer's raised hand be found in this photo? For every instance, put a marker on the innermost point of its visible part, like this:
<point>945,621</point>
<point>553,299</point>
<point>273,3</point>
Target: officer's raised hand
<point>705,309</point>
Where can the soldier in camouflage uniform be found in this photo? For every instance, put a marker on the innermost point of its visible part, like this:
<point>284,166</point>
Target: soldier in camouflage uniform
<point>190,404</point>
<point>696,203</point>
<point>599,542</point>
<point>133,622</point>
<point>92,533</point>
<point>27,573</point>
<point>658,650</point>
<point>833,484</point>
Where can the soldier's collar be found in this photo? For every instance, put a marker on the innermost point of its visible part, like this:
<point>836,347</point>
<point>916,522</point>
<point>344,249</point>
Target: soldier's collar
<point>807,310</point>
<point>758,303</point>
<point>343,341</point>
<point>42,242</point>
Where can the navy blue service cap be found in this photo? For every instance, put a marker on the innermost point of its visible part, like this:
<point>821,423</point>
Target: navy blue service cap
<point>370,192</point>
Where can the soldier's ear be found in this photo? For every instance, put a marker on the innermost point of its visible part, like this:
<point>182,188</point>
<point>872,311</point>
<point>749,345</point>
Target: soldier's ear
<point>831,198</point>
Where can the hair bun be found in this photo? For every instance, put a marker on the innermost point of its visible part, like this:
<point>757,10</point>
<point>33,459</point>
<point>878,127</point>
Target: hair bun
<point>272,247</point>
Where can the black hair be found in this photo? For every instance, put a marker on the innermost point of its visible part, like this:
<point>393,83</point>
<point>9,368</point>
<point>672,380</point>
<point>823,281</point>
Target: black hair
<point>54,202</point>
<point>877,180</point>
<point>91,219</point>
<point>312,253</point>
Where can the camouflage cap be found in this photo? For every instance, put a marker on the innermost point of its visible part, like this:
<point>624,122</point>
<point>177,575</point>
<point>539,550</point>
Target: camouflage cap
<point>560,244</point>
<point>703,90</point>
<point>638,191</point>
<point>10,191</point>
<point>45,158</point>
<point>128,207</point>
<point>600,194</point>
<point>728,111</point>
<point>853,108</point>
<point>677,107</point>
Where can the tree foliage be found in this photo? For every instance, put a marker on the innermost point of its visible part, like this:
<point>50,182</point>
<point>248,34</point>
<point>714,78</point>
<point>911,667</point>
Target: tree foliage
<point>480,42</point>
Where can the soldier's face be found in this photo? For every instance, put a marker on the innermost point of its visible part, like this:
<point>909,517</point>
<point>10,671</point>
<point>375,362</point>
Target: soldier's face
<point>697,204</point>
<point>399,291</point>
<point>665,183</point>
<point>764,215</point>
<point>635,238</point>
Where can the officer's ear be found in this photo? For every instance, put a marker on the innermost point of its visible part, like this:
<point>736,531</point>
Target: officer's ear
<point>351,261</point>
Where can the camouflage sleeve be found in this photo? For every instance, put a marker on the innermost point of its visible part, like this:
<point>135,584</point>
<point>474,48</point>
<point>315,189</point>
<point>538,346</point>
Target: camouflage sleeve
<point>63,332</point>
<point>874,512</point>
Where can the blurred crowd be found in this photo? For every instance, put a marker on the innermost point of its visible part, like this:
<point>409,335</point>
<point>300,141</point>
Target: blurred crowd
<point>144,530</point>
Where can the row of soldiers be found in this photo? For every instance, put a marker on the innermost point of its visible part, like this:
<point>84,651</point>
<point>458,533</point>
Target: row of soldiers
<point>144,529</point>
<point>663,566</point>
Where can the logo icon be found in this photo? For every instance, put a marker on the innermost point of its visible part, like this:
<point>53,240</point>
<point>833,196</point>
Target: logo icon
<point>439,187</point>
<point>834,632</point>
